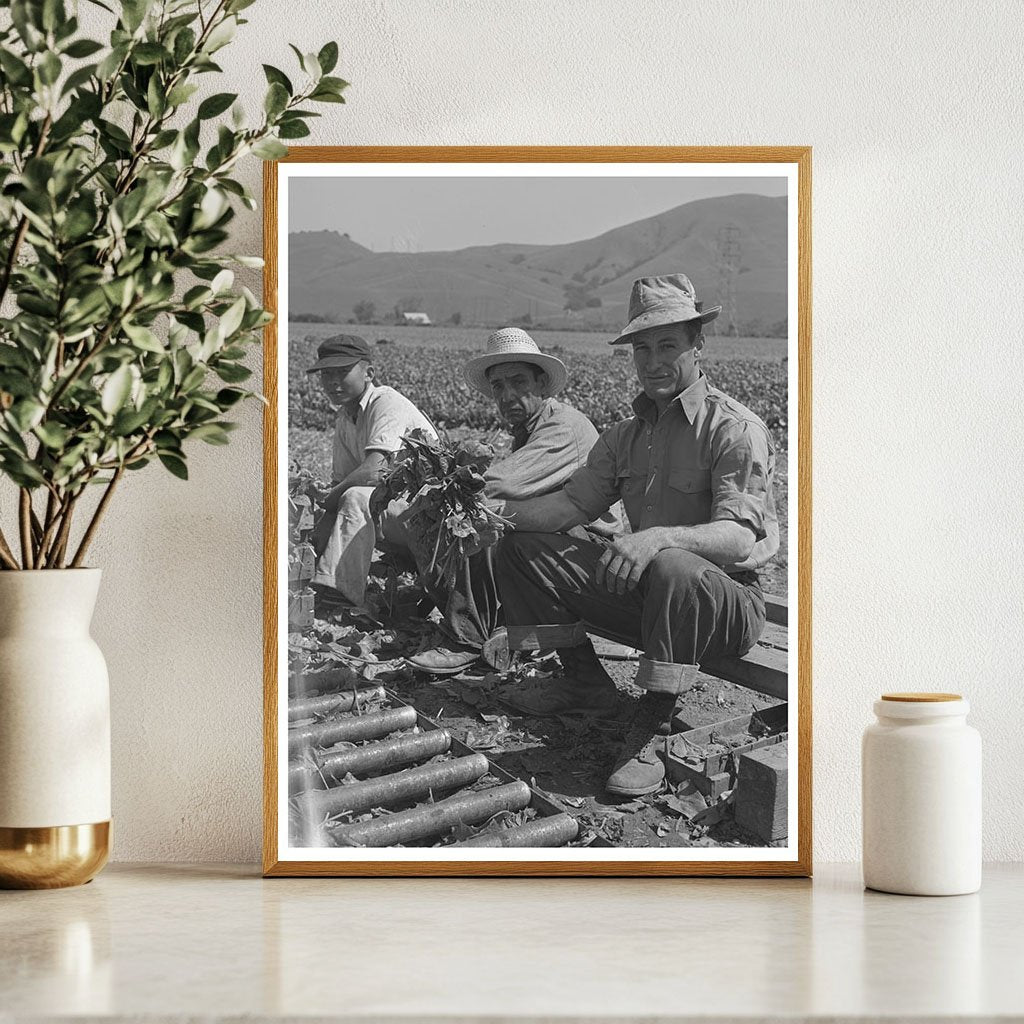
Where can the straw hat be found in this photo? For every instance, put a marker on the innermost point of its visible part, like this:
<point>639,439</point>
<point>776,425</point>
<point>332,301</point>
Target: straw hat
<point>513,345</point>
<point>657,301</point>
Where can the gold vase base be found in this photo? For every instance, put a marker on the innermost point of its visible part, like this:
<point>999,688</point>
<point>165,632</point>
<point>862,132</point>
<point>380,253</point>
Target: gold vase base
<point>54,857</point>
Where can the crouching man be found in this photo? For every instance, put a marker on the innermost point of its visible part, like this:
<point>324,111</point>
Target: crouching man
<point>550,440</point>
<point>370,423</point>
<point>694,470</point>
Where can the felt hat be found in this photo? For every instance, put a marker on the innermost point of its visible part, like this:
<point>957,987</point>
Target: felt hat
<point>342,350</point>
<point>657,301</point>
<point>513,345</point>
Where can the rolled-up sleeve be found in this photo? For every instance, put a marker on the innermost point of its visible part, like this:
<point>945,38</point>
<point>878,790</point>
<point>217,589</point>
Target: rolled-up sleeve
<point>741,475</point>
<point>592,488</point>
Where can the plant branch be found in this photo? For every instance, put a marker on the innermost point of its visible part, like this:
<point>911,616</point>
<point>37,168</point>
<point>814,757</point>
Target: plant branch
<point>86,358</point>
<point>94,523</point>
<point>60,544</point>
<point>6,554</point>
<point>25,523</point>
<point>22,229</point>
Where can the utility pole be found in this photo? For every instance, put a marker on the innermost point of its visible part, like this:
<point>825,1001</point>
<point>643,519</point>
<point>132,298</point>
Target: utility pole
<point>729,255</point>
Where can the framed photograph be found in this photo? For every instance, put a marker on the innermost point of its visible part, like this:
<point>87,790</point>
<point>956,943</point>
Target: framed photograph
<point>538,511</point>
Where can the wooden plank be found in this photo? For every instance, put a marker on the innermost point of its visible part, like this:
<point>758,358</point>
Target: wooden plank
<point>764,669</point>
<point>777,609</point>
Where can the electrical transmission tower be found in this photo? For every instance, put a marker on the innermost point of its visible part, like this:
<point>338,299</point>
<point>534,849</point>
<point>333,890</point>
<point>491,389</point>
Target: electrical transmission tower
<point>729,255</point>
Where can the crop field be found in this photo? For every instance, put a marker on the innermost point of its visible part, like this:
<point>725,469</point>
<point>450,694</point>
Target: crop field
<point>425,364</point>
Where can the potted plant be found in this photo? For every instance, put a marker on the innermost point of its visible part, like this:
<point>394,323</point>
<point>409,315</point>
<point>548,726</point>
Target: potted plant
<point>122,340</point>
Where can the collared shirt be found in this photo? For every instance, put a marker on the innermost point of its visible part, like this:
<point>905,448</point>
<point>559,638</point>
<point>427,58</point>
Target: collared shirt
<point>545,452</point>
<point>382,418</point>
<point>707,458</point>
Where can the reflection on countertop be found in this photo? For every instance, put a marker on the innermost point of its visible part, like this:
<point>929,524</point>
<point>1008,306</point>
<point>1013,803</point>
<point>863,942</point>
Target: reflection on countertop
<point>217,940</point>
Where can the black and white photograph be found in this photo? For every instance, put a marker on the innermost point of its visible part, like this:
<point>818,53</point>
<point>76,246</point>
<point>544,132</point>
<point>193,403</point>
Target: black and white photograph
<point>537,485</point>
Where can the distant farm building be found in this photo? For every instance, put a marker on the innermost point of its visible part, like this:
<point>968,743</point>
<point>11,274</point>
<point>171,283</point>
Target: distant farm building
<point>416,318</point>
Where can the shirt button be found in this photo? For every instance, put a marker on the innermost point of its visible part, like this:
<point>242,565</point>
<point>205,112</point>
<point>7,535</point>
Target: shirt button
<point>648,508</point>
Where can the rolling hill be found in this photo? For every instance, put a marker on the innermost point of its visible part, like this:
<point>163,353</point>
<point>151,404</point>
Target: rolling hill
<point>505,283</point>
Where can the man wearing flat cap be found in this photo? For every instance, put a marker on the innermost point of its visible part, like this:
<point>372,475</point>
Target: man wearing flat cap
<point>371,421</point>
<point>550,440</point>
<point>693,468</point>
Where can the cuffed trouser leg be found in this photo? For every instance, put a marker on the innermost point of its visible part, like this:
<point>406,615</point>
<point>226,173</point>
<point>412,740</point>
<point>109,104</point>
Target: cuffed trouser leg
<point>684,610</point>
<point>345,562</point>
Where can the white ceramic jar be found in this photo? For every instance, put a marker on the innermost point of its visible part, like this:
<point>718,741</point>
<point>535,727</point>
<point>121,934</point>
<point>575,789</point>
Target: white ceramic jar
<point>921,778</point>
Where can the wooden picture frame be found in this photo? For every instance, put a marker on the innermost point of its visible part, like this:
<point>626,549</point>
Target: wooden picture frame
<point>792,162</point>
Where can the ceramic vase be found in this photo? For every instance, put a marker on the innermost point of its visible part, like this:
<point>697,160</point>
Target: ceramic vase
<point>54,731</point>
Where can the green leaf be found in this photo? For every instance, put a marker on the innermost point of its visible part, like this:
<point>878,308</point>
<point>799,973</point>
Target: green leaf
<point>269,149</point>
<point>149,53</point>
<point>26,414</point>
<point>16,70</point>
<point>181,94</point>
<point>53,435</point>
<point>293,130</point>
<point>49,68</point>
<point>78,78</point>
<point>328,57</point>
<point>324,96</point>
<point>129,421</point>
<point>334,84</point>
<point>216,104</point>
<point>232,373</point>
<point>175,465</point>
<point>83,48</point>
<point>116,390</point>
<point>276,100</point>
<point>255,262</point>
<point>143,338</point>
<point>221,35</point>
<point>232,319</point>
<point>184,44</point>
<point>133,12</point>
<point>275,76</point>
<point>222,281</point>
<point>211,433</point>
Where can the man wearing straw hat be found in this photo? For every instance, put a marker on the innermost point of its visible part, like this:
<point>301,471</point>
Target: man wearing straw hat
<point>550,440</point>
<point>693,468</point>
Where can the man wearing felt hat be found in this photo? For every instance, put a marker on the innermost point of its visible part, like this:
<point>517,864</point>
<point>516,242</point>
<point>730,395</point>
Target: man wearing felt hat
<point>371,421</point>
<point>550,440</point>
<point>693,468</point>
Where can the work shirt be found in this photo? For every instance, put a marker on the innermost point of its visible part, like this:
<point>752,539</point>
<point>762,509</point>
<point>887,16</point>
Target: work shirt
<point>382,418</point>
<point>546,450</point>
<point>706,459</point>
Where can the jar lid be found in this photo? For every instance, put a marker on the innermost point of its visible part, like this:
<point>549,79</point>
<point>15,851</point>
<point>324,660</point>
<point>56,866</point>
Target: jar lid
<point>921,698</point>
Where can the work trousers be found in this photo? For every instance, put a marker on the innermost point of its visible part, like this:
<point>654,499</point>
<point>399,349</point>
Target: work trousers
<point>685,609</point>
<point>345,562</point>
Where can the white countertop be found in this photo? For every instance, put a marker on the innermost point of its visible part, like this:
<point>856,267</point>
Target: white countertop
<point>178,941</point>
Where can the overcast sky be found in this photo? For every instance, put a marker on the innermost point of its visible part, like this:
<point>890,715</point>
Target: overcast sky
<point>421,214</point>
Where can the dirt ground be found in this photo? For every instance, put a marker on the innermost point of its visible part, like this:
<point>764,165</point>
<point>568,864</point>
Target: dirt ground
<point>565,759</point>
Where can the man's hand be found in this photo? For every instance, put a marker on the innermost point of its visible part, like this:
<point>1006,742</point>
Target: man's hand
<point>322,531</point>
<point>325,524</point>
<point>624,562</point>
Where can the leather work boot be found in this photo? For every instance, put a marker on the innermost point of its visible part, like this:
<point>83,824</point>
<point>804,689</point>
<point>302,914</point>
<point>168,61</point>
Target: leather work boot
<point>443,661</point>
<point>566,697</point>
<point>640,769</point>
<point>582,663</point>
<point>495,650</point>
<point>584,689</point>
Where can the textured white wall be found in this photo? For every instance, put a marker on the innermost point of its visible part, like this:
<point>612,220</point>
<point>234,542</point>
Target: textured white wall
<point>913,110</point>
